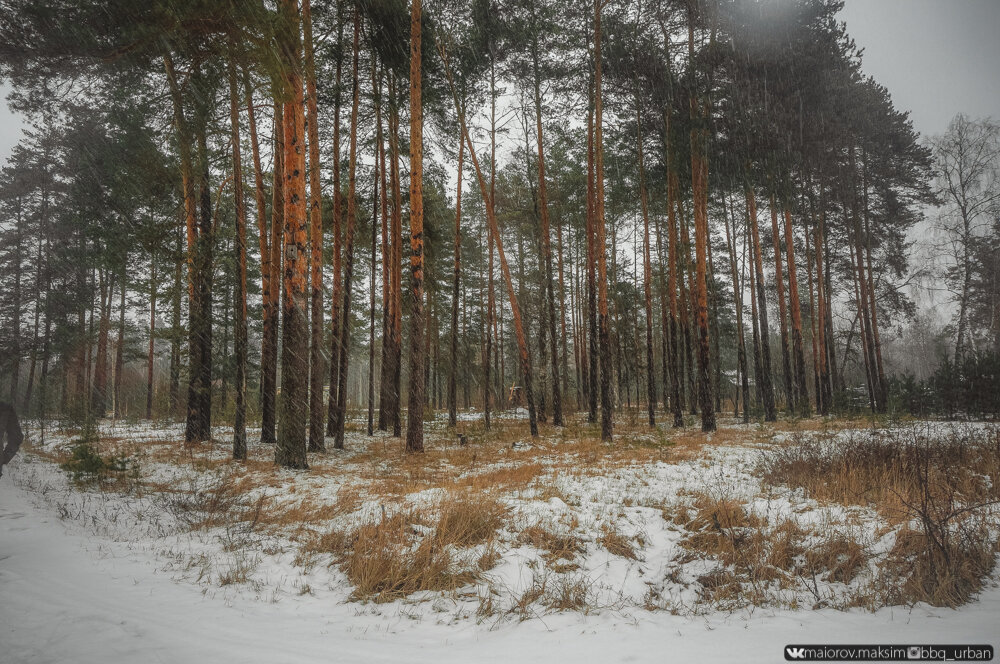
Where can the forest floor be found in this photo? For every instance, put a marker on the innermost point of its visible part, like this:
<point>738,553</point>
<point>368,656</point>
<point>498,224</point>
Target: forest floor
<point>134,547</point>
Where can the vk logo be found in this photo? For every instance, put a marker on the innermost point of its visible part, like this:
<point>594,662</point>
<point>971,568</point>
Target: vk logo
<point>795,653</point>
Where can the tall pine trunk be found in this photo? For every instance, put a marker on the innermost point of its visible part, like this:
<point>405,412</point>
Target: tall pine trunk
<point>345,329</point>
<point>264,243</point>
<point>184,141</point>
<point>396,268</point>
<point>491,311</point>
<point>647,283</point>
<point>453,370</point>
<point>152,335</point>
<point>336,296</point>
<point>802,392</point>
<point>812,321</point>
<point>99,393</point>
<point>741,349</point>
<point>699,192</point>
<point>543,204</point>
<point>685,284</point>
<point>825,396</point>
<point>677,405</point>
<point>766,384</point>
<point>240,303</point>
<point>290,450</point>
<point>786,364</point>
<point>119,412</point>
<point>317,367</point>
<point>269,351</point>
<point>415,409</point>
<point>371,281</point>
<point>174,389</point>
<point>384,372</point>
<point>607,412</point>
<point>205,248</point>
<point>592,334</point>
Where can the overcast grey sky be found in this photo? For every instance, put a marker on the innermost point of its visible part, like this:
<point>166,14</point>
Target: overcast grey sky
<point>937,57</point>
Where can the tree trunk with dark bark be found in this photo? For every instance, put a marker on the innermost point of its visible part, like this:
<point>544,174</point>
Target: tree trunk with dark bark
<point>592,350</point>
<point>741,350</point>
<point>268,312</point>
<point>184,141</point>
<point>415,409</point>
<point>766,384</point>
<point>116,392</point>
<point>99,392</point>
<point>647,277</point>
<point>345,314</point>
<point>269,351</point>
<point>802,392</point>
<point>604,325</point>
<point>240,303</point>
<point>786,364</point>
<point>396,268</point>
<point>676,405</point>
<point>336,295</point>
<point>453,369</point>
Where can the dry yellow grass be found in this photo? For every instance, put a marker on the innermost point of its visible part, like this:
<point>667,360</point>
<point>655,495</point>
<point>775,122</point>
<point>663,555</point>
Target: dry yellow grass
<point>919,569</point>
<point>391,557</point>
<point>449,543</point>
<point>754,553</point>
<point>839,556</point>
<point>616,543</point>
<point>891,472</point>
<point>557,546</point>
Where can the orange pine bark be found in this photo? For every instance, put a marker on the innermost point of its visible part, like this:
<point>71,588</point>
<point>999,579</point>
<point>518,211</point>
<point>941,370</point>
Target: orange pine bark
<point>316,360</point>
<point>290,450</point>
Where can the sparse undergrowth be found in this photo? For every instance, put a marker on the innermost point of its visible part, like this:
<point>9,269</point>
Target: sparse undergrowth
<point>520,527</point>
<point>766,562</point>
<point>939,492</point>
<point>85,464</point>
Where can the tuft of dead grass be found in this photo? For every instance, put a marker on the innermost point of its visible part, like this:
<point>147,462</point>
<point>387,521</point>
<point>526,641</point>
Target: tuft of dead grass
<point>918,570</point>
<point>468,519</point>
<point>569,593</point>
<point>410,551</point>
<point>839,557</point>
<point>384,565</point>
<point>616,543</point>
<point>558,546</point>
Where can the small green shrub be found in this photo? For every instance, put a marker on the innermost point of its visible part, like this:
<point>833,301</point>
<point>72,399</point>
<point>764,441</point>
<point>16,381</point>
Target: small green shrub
<point>86,465</point>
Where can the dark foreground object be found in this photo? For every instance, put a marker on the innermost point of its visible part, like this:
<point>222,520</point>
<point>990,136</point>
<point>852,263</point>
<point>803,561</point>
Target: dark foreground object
<point>10,434</point>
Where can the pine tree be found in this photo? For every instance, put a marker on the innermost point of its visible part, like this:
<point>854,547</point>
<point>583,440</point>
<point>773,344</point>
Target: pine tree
<point>415,409</point>
<point>290,450</point>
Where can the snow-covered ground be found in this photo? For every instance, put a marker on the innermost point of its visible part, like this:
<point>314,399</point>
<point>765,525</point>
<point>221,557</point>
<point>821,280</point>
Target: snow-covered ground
<point>88,576</point>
